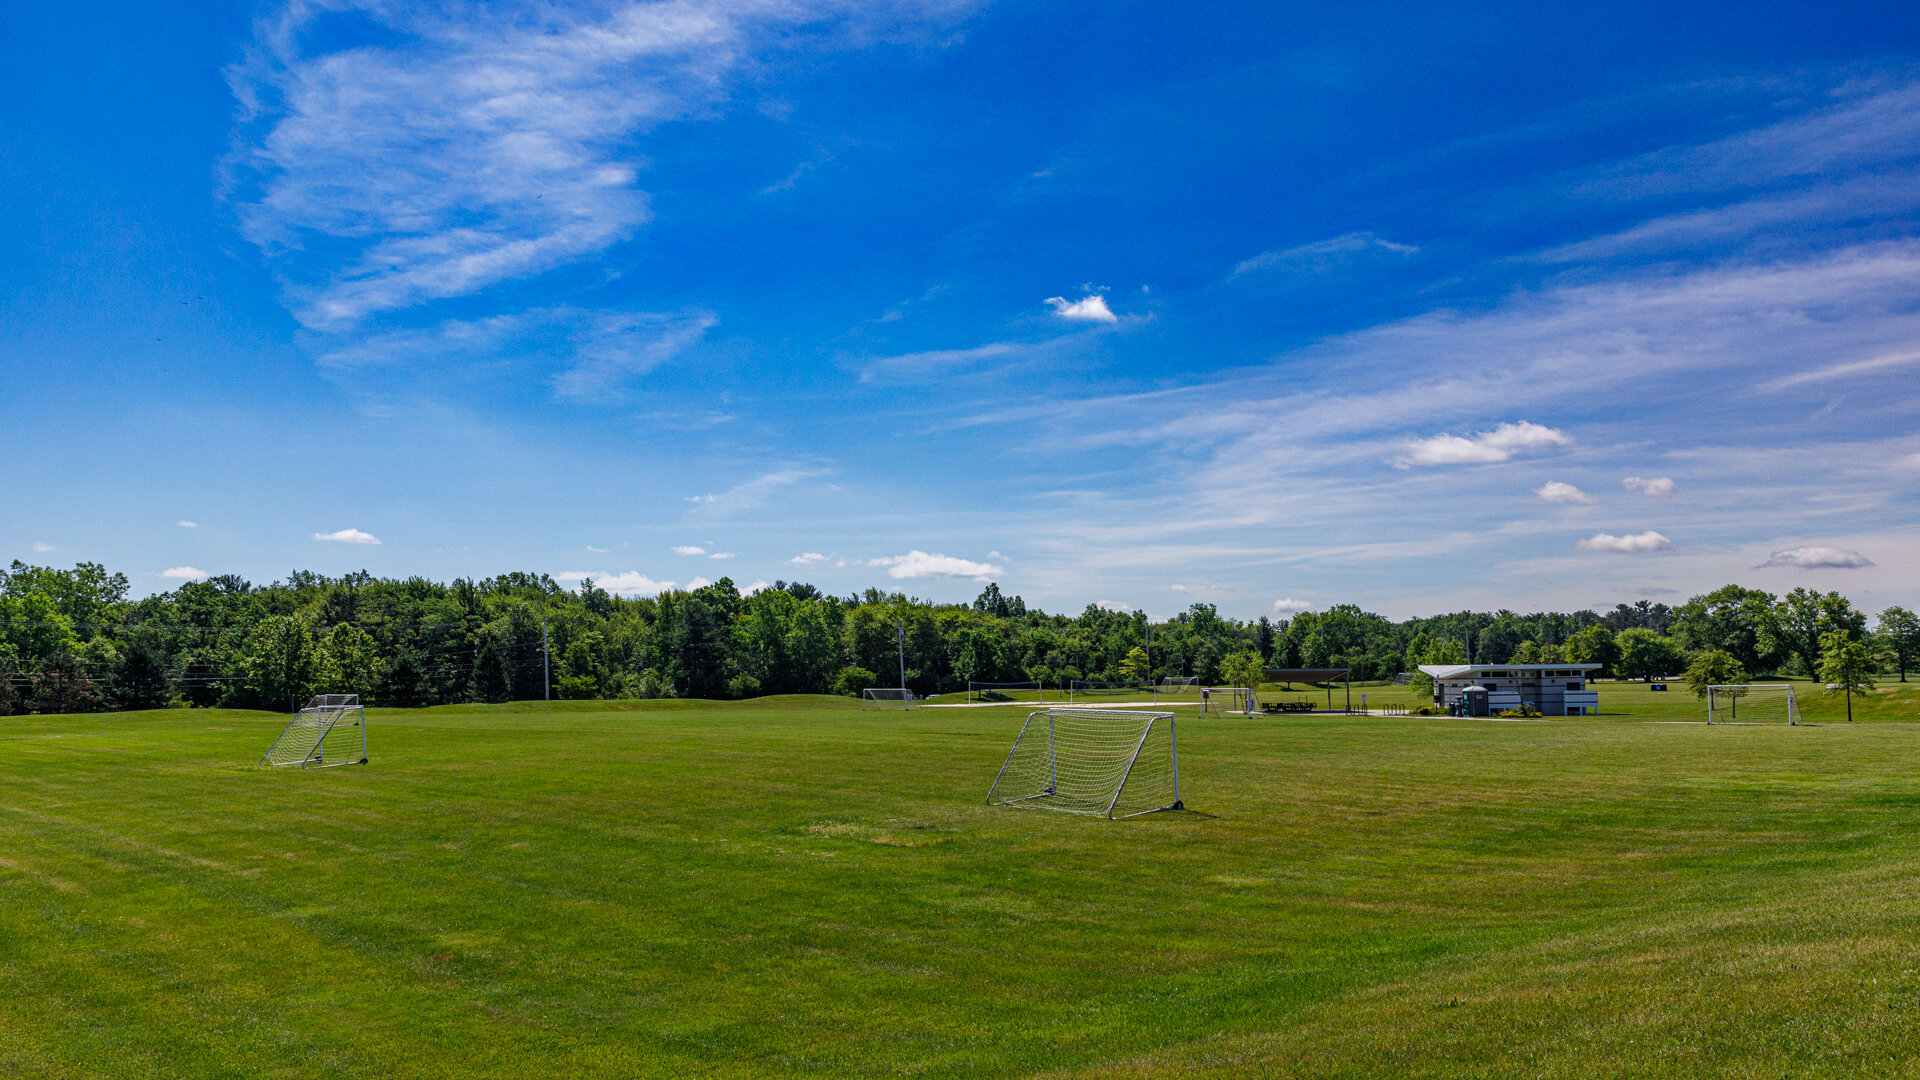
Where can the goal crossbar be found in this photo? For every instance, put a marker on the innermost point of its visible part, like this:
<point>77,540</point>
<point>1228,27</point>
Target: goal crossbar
<point>331,730</point>
<point>1102,762</point>
<point>1776,705</point>
<point>1096,687</point>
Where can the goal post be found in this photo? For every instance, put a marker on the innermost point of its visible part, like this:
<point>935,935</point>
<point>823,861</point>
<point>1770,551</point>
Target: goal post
<point>887,697</point>
<point>331,730</point>
<point>1221,700</point>
<point>1109,763</point>
<point>1752,703</point>
<point>1093,689</point>
<point>1015,692</point>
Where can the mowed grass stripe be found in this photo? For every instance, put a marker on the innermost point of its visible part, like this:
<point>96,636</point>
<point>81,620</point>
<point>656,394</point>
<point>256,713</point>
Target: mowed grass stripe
<point>794,887</point>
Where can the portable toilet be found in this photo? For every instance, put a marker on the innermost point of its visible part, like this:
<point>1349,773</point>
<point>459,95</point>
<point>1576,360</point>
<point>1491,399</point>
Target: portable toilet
<point>1473,701</point>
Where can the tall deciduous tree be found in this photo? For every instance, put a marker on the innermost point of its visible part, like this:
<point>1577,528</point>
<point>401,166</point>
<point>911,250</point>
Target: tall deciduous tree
<point>349,662</point>
<point>1594,645</point>
<point>1731,619</point>
<point>1803,618</point>
<point>1846,666</point>
<point>1645,654</point>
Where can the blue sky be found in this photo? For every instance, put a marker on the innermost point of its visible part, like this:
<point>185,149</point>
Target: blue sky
<point>1267,306</point>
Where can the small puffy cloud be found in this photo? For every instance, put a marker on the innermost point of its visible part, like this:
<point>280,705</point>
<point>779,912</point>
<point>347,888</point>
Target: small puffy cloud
<point>348,536</point>
<point>188,524</point>
<point>919,564</point>
<point>631,583</point>
<point>1114,605</point>
<point>759,585</point>
<point>1287,605</point>
<point>1636,544</point>
<point>698,583</point>
<point>1178,588</point>
<point>1556,492</point>
<point>807,558</point>
<point>1658,487</point>
<point>722,555</point>
<point>702,498</point>
<point>184,573</point>
<point>1091,308</point>
<point>1482,447</point>
<point>44,547</point>
<point>689,549</point>
<point>1817,558</point>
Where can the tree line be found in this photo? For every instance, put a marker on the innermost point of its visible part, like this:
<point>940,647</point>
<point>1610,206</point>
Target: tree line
<point>72,640</point>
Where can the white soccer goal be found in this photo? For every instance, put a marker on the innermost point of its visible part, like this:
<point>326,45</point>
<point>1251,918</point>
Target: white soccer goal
<point>1752,703</point>
<point>331,730</point>
<point>1016,692</point>
<point>1105,762</point>
<point>1179,683</point>
<point>1094,689</point>
<point>887,697</point>
<point>1221,700</point>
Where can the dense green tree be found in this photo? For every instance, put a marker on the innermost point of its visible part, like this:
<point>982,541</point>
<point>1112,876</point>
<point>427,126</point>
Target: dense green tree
<point>1802,619</point>
<point>142,680</point>
<point>1899,633</point>
<point>1714,667</point>
<point>1646,655</point>
<point>349,662</point>
<point>61,686</point>
<point>1732,619</point>
<point>280,662</point>
<point>1594,645</point>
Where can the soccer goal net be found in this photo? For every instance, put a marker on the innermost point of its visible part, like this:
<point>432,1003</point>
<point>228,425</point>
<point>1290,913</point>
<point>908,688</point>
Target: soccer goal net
<point>331,730</point>
<point>1090,689</point>
<point>1105,762</point>
<point>1029,690</point>
<point>1220,700</point>
<point>887,698</point>
<point>1752,703</point>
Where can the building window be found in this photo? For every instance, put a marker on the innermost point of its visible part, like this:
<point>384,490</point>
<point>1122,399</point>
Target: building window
<point>1573,686</point>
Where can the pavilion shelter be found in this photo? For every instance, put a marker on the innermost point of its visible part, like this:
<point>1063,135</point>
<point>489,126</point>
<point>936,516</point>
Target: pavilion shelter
<point>1325,675</point>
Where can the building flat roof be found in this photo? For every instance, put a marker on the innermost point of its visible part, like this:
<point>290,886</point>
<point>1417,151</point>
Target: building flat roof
<point>1467,671</point>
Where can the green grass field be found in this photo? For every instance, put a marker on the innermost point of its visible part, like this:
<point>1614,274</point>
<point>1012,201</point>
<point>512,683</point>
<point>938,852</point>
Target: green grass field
<point>791,887</point>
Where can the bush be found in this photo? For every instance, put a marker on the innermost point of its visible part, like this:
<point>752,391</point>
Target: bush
<point>1426,710</point>
<point>852,680</point>
<point>1524,712</point>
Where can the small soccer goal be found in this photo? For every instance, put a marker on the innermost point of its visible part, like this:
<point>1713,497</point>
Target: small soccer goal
<point>1105,762</point>
<point>887,697</point>
<point>1752,703</point>
<point>331,730</point>
<point>1221,700</point>
<point>1017,692</point>
<point>1095,690</point>
<point>1178,684</point>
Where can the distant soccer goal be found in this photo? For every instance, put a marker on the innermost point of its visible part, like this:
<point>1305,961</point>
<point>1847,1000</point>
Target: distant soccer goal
<point>1752,703</point>
<point>1177,684</point>
<point>887,697</point>
<point>1027,691</point>
<point>1220,700</point>
<point>1094,690</point>
<point>331,730</point>
<point>1105,762</point>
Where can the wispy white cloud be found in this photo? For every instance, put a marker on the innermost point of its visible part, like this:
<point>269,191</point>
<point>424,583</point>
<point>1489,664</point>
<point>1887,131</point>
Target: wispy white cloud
<point>189,524</point>
<point>1287,605</point>
<point>184,573</point>
<point>722,555</point>
<point>43,547</point>
<point>1555,491</point>
<point>596,550</point>
<point>1658,487</point>
<point>1638,543</point>
<point>1483,447</point>
<point>348,536</point>
<point>750,493</point>
<point>484,144</point>
<point>807,558</point>
<point>689,549</point>
<point>919,564</point>
<point>1114,605</point>
<point>1089,308</point>
<point>1817,558</point>
<point>1321,254</point>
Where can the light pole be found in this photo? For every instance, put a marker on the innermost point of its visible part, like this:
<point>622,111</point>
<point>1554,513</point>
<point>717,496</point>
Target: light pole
<point>900,636</point>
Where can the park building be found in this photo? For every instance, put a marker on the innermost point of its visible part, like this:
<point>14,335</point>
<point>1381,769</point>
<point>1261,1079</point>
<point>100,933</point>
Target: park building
<point>1491,689</point>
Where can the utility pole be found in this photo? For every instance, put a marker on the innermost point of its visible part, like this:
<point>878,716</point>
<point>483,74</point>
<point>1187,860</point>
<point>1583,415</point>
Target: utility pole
<point>546,665</point>
<point>900,636</point>
<point>1150,683</point>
